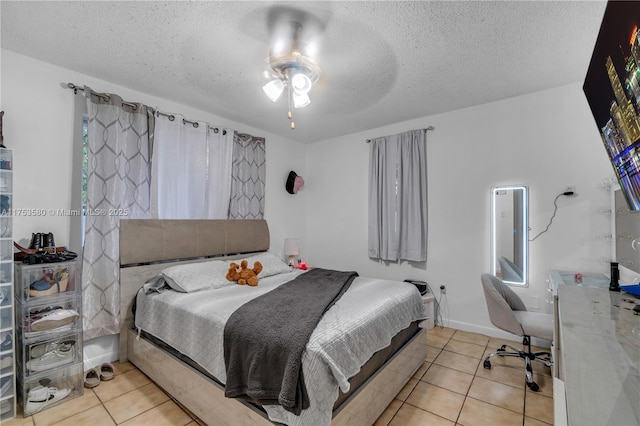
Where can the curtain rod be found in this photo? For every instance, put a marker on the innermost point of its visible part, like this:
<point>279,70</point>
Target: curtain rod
<point>427,129</point>
<point>104,96</point>
<point>172,117</point>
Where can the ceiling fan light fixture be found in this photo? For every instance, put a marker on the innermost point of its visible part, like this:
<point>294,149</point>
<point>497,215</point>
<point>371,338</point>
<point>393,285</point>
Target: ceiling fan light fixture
<point>274,89</point>
<point>300,100</point>
<point>301,83</point>
<point>291,68</point>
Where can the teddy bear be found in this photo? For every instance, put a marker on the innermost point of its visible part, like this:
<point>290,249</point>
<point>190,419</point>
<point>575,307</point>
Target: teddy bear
<point>242,274</point>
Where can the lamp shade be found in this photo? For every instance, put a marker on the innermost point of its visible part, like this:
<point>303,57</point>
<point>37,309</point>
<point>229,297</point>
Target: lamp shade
<point>301,83</point>
<point>291,247</point>
<point>301,101</point>
<point>273,89</point>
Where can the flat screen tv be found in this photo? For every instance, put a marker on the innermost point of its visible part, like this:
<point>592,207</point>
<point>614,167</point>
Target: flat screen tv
<point>612,89</point>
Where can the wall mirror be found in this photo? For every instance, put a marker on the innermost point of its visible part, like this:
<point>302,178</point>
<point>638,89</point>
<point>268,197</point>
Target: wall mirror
<point>509,234</point>
<point>626,228</point>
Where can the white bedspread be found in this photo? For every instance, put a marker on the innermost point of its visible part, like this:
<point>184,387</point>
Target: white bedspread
<point>363,321</point>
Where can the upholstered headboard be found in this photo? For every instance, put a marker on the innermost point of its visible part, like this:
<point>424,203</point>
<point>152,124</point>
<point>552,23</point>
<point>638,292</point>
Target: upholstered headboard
<point>148,245</point>
<point>156,240</point>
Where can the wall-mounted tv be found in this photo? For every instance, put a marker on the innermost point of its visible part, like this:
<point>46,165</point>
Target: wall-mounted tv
<point>612,88</point>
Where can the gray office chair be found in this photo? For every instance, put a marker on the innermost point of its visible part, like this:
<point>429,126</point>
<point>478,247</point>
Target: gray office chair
<point>508,312</point>
<point>510,271</point>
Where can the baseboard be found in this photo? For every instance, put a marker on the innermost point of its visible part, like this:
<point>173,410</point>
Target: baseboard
<point>493,332</point>
<point>100,350</point>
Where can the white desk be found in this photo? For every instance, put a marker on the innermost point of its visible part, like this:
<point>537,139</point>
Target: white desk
<point>597,345</point>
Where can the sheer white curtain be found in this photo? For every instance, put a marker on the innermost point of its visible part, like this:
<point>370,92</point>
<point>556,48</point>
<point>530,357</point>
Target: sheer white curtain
<point>191,169</point>
<point>398,197</point>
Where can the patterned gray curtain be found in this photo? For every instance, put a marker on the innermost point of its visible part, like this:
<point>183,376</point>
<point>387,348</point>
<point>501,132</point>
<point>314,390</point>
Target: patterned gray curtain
<point>118,186</point>
<point>247,177</point>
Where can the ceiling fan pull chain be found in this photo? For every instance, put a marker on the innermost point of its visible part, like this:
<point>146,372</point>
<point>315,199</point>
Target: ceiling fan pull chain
<point>289,113</point>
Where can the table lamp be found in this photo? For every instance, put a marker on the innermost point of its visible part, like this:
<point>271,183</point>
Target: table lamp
<point>292,250</point>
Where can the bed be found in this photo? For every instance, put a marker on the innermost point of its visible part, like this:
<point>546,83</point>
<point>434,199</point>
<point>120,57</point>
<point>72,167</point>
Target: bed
<point>349,381</point>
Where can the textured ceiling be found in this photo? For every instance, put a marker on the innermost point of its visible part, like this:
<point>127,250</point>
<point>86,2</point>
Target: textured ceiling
<point>383,62</point>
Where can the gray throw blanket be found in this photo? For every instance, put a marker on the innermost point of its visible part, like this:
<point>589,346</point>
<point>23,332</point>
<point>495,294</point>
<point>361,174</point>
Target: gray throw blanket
<point>264,338</point>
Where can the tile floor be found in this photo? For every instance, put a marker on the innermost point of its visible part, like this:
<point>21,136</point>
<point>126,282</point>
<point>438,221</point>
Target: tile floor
<point>450,388</point>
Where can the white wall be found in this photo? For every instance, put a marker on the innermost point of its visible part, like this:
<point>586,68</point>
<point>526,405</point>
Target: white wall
<point>40,124</point>
<point>546,140</point>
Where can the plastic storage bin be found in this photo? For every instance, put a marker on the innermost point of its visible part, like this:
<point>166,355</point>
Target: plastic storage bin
<point>6,227</point>
<point>48,389</point>
<point>6,322</point>
<point>49,354</point>
<point>6,342</point>
<point>53,318</point>
<point>7,408</point>
<point>46,279</point>
<point>5,295</point>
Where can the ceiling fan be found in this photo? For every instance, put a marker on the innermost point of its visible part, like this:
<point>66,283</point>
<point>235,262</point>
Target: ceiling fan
<point>291,65</point>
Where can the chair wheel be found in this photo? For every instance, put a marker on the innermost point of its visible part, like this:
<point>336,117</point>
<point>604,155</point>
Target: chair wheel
<point>533,386</point>
<point>487,364</point>
<point>503,348</point>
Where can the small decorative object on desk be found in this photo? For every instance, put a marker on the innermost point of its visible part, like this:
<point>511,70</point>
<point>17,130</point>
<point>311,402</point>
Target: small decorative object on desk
<point>302,265</point>
<point>577,278</point>
<point>615,276</point>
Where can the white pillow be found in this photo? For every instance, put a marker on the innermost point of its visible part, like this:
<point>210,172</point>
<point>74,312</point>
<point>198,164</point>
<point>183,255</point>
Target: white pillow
<point>197,276</point>
<point>271,264</point>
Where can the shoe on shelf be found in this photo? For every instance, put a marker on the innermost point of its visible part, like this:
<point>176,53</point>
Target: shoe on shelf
<point>6,343</point>
<point>54,319</point>
<point>5,295</point>
<point>52,359</point>
<point>5,385</point>
<point>5,407</point>
<point>64,328</point>
<point>40,397</point>
<point>6,361</point>
<point>41,288</point>
<point>39,350</point>
<point>48,241</point>
<point>36,240</point>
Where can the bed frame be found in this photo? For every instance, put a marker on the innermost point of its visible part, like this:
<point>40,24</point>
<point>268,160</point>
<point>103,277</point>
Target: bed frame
<point>146,248</point>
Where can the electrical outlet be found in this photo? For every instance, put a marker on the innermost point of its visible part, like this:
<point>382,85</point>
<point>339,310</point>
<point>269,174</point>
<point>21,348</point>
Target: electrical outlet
<point>571,188</point>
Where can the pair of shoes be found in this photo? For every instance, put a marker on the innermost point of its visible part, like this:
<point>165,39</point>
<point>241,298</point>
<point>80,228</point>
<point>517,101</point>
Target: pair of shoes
<point>41,240</point>
<point>102,372</point>
<point>40,396</point>
<point>56,354</point>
